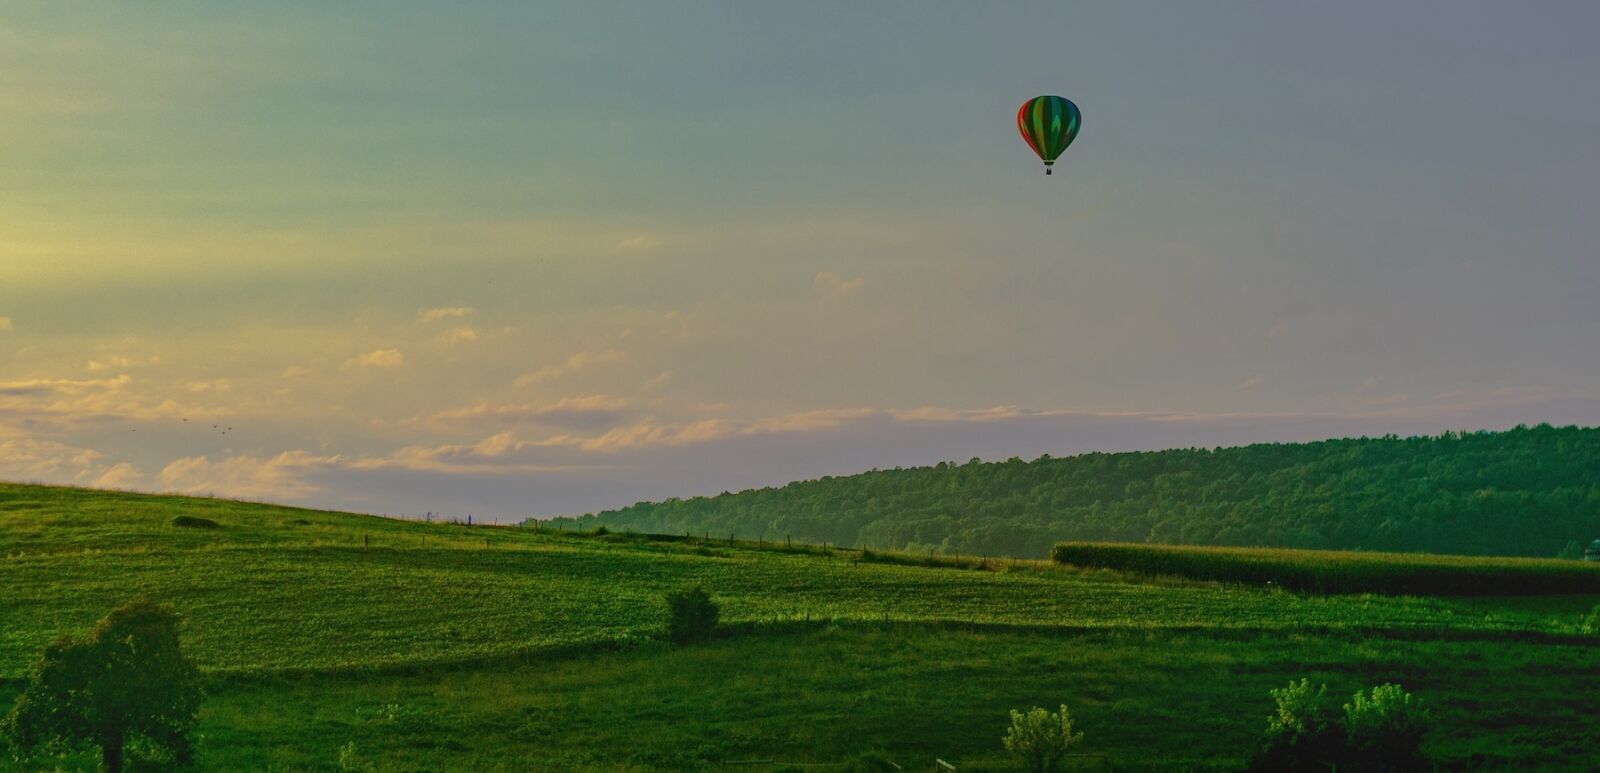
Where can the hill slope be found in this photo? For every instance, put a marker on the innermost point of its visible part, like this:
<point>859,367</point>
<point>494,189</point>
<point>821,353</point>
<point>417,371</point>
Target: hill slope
<point>273,589</point>
<point>440,647</point>
<point>1523,492</point>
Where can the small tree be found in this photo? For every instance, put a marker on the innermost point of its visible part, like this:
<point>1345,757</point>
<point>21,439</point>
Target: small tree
<point>1040,738</point>
<point>1308,733</point>
<point>1304,733</point>
<point>127,683</point>
<point>1386,730</point>
<point>692,615</point>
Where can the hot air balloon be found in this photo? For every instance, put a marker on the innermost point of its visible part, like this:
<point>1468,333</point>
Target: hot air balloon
<point>1048,124</point>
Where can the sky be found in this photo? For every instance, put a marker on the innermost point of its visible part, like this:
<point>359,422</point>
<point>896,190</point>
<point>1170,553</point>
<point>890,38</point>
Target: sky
<point>516,259</point>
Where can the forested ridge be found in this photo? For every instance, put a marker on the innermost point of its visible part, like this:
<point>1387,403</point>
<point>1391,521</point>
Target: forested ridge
<point>1529,491</point>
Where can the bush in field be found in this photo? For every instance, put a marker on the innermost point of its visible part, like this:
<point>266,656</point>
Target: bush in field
<point>127,686</point>
<point>351,760</point>
<point>193,522</point>
<point>1380,731</point>
<point>1304,734</point>
<point>1385,730</point>
<point>1040,738</point>
<point>692,615</point>
<point>1591,624</point>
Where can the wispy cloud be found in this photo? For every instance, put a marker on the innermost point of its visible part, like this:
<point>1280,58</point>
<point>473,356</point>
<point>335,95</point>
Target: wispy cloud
<point>572,365</point>
<point>5,324</point>
<point>831,286</point>
<point>280,476</point>
<point>119,362</point>
<point>587,411</point>
<point>63,404</point>
<point>31,458</point>
<point>458,335</point>
<point>438,313</point>
<point>122,475</point>
<point>639,242</point>
<point>381,358</point>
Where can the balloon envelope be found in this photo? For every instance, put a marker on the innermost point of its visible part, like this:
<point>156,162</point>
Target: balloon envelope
<point>1048,124</point>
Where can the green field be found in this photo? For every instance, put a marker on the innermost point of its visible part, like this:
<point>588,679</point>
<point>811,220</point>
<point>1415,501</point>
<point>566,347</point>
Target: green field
<point>1342,571</point>
<point>440,647</point>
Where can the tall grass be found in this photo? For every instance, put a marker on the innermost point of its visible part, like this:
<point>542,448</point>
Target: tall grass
<point>1334,571</point>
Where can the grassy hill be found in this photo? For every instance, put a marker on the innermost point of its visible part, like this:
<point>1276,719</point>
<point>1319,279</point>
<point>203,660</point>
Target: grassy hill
<point>1523,492</point>
<point>442,647</point>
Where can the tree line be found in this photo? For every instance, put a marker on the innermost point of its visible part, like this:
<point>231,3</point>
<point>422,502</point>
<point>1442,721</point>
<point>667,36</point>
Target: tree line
<point>1528,491</point>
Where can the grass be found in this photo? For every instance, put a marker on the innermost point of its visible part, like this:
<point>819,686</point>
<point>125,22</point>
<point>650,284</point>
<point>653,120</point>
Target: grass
<point>1341,571</point>
<point>1146,701</point>
<point>432,646</point>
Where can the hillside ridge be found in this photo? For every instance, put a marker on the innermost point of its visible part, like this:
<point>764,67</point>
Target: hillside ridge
<point>1527,491</point>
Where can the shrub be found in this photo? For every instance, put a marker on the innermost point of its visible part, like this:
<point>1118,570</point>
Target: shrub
<point>1040,738</point>
<point>193,522</point>
<point>1591,624</point>
<point>351,761</point>
<point>1304,734</point>
<point>127,686</point>
<point>1386,730</point>
<point>1382,731</point>
<point>692,615</point>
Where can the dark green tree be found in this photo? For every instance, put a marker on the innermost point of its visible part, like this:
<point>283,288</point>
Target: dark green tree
<point>127,684</point>
<point>692,615</point>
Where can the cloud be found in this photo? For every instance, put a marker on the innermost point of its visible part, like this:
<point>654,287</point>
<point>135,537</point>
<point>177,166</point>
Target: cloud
<point>658,380</point>
<point>488,457</point>
<point>831,286</point>
<point>438,313</point>
<point>61,404</point>
<point>31,458</point>
<point>588,411</point>
<point>458,335</point>
<point>294,372</point>
<point>381,358</point>
<point>573,364</point>
<point>1251,383</point>
<point>118,362</point>
<point>5,324</point>
<point>639,242</point>
<point>214,385</point>
<point>284,476</point>
<point>122,475</point>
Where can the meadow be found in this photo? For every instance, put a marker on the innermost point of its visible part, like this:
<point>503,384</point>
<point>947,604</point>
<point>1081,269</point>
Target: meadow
<point>428,646</point>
